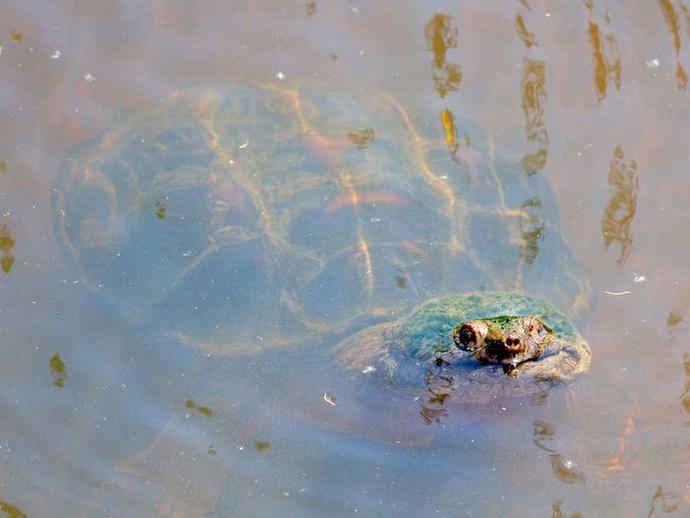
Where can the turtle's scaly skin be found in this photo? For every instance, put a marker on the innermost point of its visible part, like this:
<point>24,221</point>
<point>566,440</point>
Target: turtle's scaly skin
<point>424,342</point>
<point>253,216</point>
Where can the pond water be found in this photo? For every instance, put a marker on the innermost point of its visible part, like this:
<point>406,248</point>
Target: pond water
<point>108,412</point>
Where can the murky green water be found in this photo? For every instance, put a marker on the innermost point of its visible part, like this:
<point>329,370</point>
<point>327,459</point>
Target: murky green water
<point>106,411</point>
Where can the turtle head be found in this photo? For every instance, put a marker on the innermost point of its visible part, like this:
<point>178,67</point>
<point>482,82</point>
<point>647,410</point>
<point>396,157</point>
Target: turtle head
<point>508,340</point>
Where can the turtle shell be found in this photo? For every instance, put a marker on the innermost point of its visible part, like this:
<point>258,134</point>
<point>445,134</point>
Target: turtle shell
<point>254,216</point>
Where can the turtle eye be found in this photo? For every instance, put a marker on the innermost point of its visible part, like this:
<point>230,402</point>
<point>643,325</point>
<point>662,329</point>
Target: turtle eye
<point>466,336</point>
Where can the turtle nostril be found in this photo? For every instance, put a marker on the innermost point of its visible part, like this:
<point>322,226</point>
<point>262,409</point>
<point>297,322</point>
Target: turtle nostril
<point>512,343</point>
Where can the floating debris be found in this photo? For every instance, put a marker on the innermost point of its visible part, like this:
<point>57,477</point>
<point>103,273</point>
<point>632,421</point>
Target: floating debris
<point>15,35</point>
<point>262,446</point>
<point>191,405</point>
<point>638,277</point>
<point>244,144</point>
<point>369,369</point>
<point>653,63</point>
<point>329,399</point>
<point>161,209</point>
<point>674,318</point>
<point>6,244</point>
<point>11,511</point>
<point>400,281</point>
<point>58,368</point>
<point>617,293</point>
<point>89,78</point>
<point>361,138</point>
<point>310,6</point>
<point>56,55</point>
<point>280,76</point>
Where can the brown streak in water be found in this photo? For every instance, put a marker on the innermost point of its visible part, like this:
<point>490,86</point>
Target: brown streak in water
<point>356,197</point>
<point>667,499</point>
<point>6,244</point>
<point>685,395</point>
<point>449,130</point>
<point>441,35</point>
<point>686,15</point>
<point>619,213</point>
<point>606,65</point>
<point>11,511</point>
<point>525,4</point>
<point>673,26</point>
<point>533,99</point>
<point>524,34</point>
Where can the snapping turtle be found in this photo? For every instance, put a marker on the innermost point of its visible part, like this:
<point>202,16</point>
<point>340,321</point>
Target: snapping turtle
<point>475,341</point>
<point>250,217</point>
<point>240,219</point>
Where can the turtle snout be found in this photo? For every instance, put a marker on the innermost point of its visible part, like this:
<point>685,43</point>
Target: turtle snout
<point>513,345</point>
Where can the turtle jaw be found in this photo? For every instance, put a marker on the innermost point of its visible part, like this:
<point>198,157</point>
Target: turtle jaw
<point>505,350</point>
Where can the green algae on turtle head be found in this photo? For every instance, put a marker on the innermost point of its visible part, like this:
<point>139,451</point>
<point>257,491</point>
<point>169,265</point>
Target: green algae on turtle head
<point>428,329</point>
<point>427,339</point>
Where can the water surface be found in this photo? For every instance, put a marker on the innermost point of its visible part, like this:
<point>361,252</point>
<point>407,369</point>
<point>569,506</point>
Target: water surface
<point>101,420</point>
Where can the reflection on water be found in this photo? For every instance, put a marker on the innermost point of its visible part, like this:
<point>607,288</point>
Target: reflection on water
<point>441,35</point>
<point>11,511</point>
<point>557,512</point>
<point>606,63</point>
<point>621,209</point>
<point>365,217</point>
<point>532,226</point>
<point>664,501</point>
<point>673,26</point>
<point>685,395</point>
<point>562,467</point>
<point>6,244</point>
<point>533,99</point>
<point>526,36</point>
